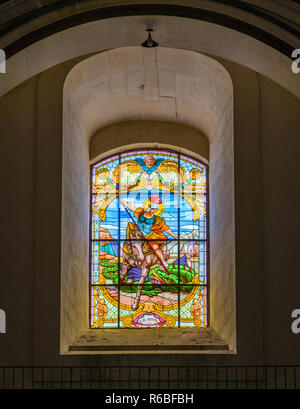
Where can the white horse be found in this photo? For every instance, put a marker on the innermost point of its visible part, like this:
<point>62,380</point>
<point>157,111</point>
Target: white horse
<point>137,253</point>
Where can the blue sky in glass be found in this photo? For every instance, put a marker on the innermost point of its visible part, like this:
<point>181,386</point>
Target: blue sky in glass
<point>188,228</point>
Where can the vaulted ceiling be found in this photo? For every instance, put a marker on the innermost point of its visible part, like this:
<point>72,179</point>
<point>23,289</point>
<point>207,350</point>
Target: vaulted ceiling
<point>150,84</point>
<point>273,22</point>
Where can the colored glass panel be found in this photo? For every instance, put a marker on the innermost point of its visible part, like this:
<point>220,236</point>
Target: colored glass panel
<point>148,240</point>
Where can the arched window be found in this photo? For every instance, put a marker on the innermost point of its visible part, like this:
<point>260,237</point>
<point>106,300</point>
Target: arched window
<point>149,241</point>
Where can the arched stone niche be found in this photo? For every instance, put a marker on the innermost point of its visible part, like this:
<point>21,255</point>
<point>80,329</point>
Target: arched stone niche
<point>131,97</point>
<point>142,134</point>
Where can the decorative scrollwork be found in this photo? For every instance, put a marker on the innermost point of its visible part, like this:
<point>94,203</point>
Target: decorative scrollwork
<point>170,320</point>
<point>127,320</point>
<point>195,173</point>
<point>101,306</point>
<point>198,323</point>
<point>100,322</point>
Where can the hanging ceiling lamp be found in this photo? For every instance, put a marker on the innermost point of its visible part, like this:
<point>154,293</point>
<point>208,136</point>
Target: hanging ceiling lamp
<point>149,43</point>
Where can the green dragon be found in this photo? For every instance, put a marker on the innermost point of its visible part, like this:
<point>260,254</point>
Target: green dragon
<point>158,281</point>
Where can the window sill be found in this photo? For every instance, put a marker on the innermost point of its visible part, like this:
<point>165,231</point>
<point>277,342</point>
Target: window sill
<point>143,341</point>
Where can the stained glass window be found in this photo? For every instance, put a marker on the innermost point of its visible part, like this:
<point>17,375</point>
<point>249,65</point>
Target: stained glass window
<point>149,244</point>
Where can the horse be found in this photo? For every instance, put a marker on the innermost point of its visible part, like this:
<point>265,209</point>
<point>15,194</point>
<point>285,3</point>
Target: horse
<point>137,253</point>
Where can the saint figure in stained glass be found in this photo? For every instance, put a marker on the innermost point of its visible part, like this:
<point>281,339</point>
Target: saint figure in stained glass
<point>150,228</point>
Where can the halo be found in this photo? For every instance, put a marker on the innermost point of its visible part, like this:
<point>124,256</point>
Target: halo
<point>160,210</point>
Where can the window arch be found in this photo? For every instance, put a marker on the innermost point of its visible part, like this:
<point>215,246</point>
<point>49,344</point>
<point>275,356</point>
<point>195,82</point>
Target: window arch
<point>149,241</point>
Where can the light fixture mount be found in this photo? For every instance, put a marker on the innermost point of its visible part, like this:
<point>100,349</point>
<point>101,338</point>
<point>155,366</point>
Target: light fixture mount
<point>149,43</point>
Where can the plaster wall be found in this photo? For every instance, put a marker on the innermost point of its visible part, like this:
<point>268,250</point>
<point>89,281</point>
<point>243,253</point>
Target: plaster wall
<point>280,147</point>
<point>17,164</point>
